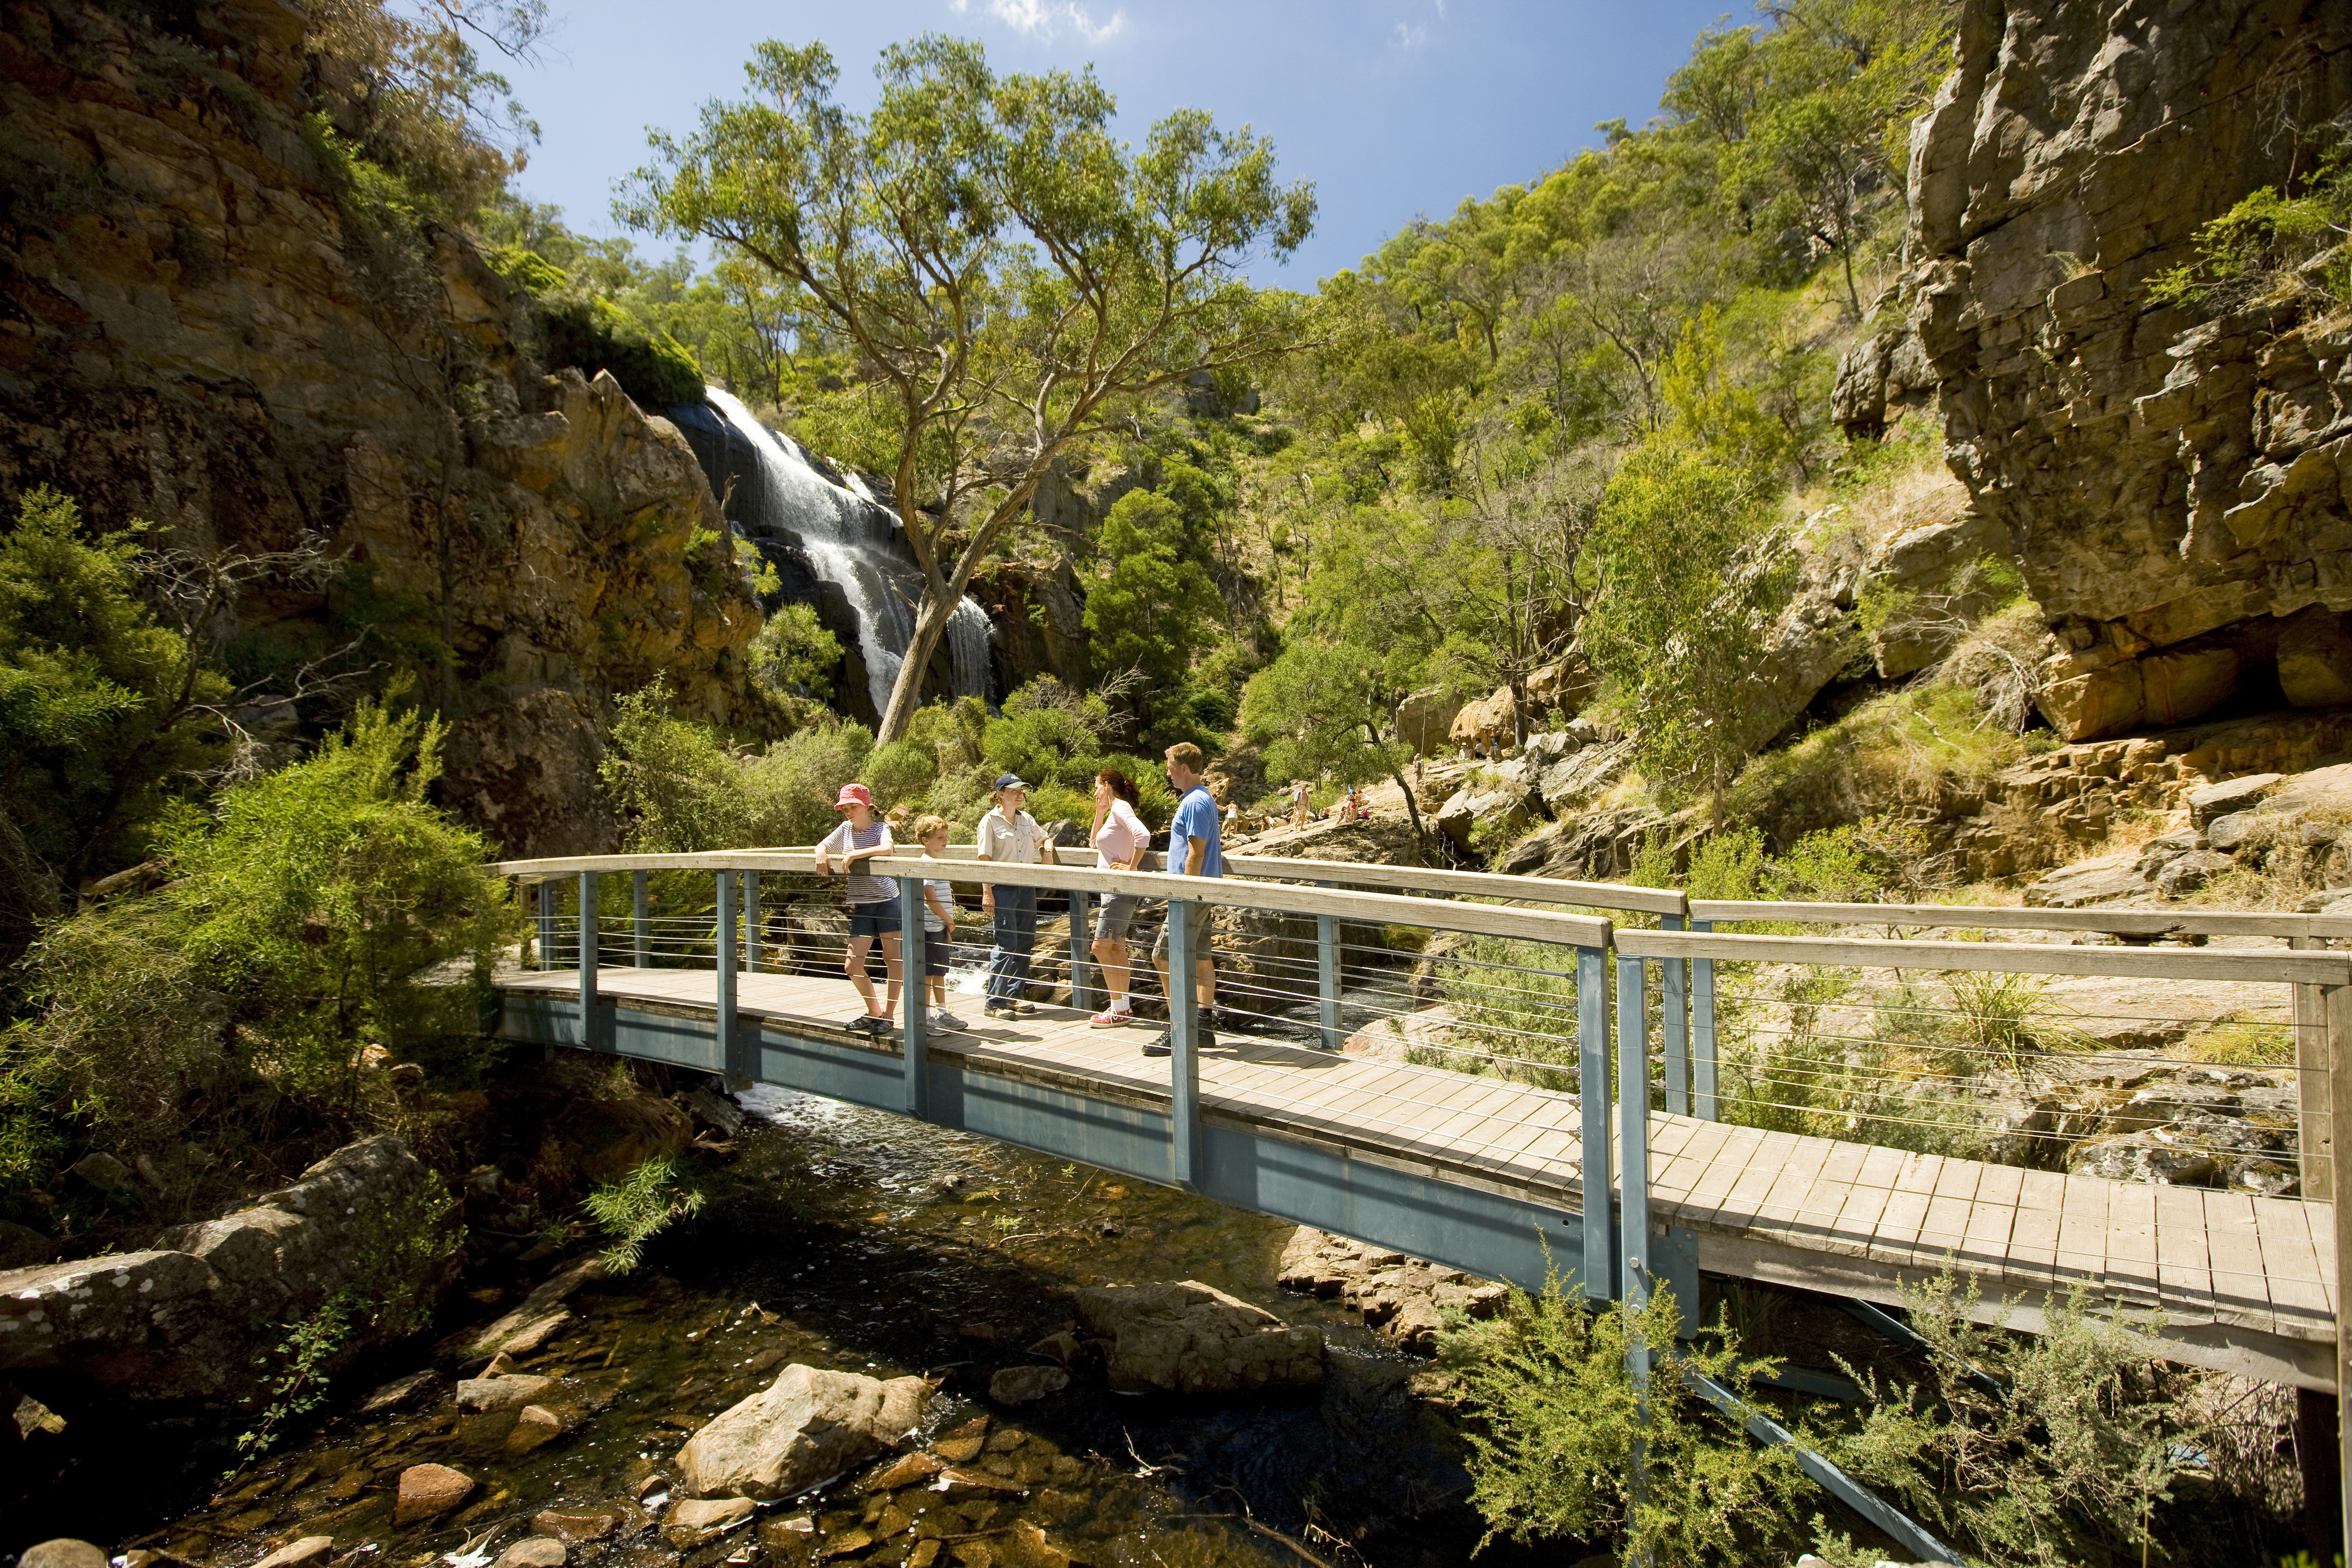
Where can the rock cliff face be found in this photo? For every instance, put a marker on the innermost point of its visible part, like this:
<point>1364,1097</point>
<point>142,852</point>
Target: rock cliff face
<point>195,329</point>
<point>2174,487</point>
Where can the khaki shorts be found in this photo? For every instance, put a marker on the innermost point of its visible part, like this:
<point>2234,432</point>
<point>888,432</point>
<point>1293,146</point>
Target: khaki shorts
<point>1196,927</point>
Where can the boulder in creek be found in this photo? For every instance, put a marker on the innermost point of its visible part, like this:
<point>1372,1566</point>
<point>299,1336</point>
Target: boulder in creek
<point>498,1393</point>
<point>533,1551</point>
<point>535,1428</point>
<point>428,1491</point>
<point>178,1322</point>
<point>807,1426</point>
<point>63,1552</point>
<point>1189,1338</point>
<point>696,1518</point>
<point>299,1553</point>
<point>1020,1384</point>
<point>545,1301</point>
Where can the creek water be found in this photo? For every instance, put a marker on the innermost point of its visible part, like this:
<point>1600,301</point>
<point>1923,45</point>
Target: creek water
<point>851,1239</point>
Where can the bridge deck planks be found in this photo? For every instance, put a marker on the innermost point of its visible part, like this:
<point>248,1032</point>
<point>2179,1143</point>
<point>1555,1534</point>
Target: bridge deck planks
<point>2202,1255</point>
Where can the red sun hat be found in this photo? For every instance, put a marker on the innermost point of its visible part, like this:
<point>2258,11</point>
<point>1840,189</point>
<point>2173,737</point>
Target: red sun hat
<point>854,794</point>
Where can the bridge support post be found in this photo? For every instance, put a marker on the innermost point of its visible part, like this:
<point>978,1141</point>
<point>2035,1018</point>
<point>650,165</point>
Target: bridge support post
<point>1634,1131</point>
<point>1673,1032</point>
<point>1183,1049</point>
<point>1327,976</point>
<point>913,989</point>
<point>640,921</point>
<point>1592,1103</point>
<point>544,891</point>
<point>752,922</point>
<point>730,1053</point>
<point>1705,1105</point>
<point>2315,1129</point>
<point>2335,1007</point>
<point>591,944</point>
<point>1081,939</point>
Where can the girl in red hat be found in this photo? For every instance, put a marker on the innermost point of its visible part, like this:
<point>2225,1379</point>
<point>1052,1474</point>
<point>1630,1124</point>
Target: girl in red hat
<point>873,900</point>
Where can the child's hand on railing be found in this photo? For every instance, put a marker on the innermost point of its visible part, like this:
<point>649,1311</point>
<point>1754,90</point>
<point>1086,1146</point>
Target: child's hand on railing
<point>823,865</point>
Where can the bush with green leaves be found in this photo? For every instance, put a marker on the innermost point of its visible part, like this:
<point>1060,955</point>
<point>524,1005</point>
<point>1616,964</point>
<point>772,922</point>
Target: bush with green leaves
<point>640,1206</point>
<point>580,327</point>
<point>795,653</point>
<point>1557,1424</point>
<point>328,906</point>
<point>105,712</point>
<point>681,788</point>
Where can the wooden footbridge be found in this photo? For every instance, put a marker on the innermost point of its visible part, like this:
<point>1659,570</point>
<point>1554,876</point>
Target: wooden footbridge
<point>1492,1173</point>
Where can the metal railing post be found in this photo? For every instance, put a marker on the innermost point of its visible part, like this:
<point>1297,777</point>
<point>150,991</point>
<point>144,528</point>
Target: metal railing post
<point>590,954</point>
<point>1327,976</point>
<point>1592,1103</point>
<point>724,953</point>
<point>640,921</point>
<point>1081,928</point>
<point>912,987</point>
<point>1634,1132</point>
<point>2336,1010</point>
<point>1674,1031</point>
<point>751,922</point>
<point>2315,1129</point>
<point>546,891</point>
<point>1184,1048</point>
<point>1705,1105</point>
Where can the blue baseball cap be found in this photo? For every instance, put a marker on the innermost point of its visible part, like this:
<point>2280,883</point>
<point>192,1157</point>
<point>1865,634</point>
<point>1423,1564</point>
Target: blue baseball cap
<point>1011,781</point>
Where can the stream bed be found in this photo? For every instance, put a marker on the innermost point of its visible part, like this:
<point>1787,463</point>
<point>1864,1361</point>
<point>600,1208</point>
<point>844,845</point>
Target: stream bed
<point>854,1240</point>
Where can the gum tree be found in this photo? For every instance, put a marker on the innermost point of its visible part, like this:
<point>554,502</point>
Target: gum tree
<point>1008,280</point>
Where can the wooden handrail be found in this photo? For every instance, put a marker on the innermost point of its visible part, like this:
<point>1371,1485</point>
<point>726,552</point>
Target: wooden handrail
<point>1968,917</point>
<point>1997,957</point>
<point>1236,892</point>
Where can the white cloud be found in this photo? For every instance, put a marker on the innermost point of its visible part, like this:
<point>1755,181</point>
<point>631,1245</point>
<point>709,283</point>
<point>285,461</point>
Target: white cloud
<point>1410,38</point>
<point>1046,19</point>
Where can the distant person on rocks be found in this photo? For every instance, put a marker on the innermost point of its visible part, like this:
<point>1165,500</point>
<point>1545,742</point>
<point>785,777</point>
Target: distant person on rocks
<point>873,900</point>
<point>1301,812</point>
<point>939,922</point>
<point>1121,839</point>
<point>1194,849</point>
<point>1011,836</point>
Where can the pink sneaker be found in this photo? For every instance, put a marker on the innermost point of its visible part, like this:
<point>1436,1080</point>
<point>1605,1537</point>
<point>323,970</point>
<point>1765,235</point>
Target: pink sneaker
<point>1111,1018</point>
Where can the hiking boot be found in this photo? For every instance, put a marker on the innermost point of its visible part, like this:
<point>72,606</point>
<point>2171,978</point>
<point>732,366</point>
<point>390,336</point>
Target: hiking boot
<point>1158,1045</point>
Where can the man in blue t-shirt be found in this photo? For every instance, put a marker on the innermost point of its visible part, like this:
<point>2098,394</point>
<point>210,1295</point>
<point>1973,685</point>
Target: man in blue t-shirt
<point>1194,849</point>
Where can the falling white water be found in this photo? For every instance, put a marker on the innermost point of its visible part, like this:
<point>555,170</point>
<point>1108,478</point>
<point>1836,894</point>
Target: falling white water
<point>970,633</point>
<point>851,542</point>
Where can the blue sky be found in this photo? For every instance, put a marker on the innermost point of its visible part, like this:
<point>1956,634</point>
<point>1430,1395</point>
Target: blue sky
<point>1392,108</point>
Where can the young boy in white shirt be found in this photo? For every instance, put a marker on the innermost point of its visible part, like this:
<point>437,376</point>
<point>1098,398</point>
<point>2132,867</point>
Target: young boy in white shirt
<point>939,922</point>
<point>1010,835</point>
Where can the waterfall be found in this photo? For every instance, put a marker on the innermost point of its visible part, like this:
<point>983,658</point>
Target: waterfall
<point>852,540</point>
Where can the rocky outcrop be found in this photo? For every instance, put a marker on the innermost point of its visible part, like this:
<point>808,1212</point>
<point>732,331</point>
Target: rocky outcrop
<point>807,1426</point>
<point>197,328</point>
<point>1404,1298</point>
<point>179,1319</point>
<point>2170,479</point>
<point>1190,1338</point>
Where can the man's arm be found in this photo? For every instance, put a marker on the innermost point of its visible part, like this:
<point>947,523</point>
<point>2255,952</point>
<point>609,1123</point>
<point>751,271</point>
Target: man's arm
<point>1195,855</point>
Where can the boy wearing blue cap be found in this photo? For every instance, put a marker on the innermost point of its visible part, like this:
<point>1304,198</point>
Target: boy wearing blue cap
<point>1009,836</point>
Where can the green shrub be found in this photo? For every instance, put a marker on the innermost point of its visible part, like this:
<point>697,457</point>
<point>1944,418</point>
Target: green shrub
<point>795,653</point>
<point>901,770</point>
<point>583,330</point>
<point>640,1206</point>
<point>330,907</point>
<point>680,789</point>
<point>1557,1426</point>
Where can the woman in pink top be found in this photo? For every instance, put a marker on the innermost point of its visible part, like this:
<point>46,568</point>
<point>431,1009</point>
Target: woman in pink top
<point>1120,838</point>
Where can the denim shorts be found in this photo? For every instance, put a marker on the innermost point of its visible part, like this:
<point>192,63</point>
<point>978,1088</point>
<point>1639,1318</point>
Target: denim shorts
<point>1111,924</point>
<point>880,918</point>
<point>935,953</point>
